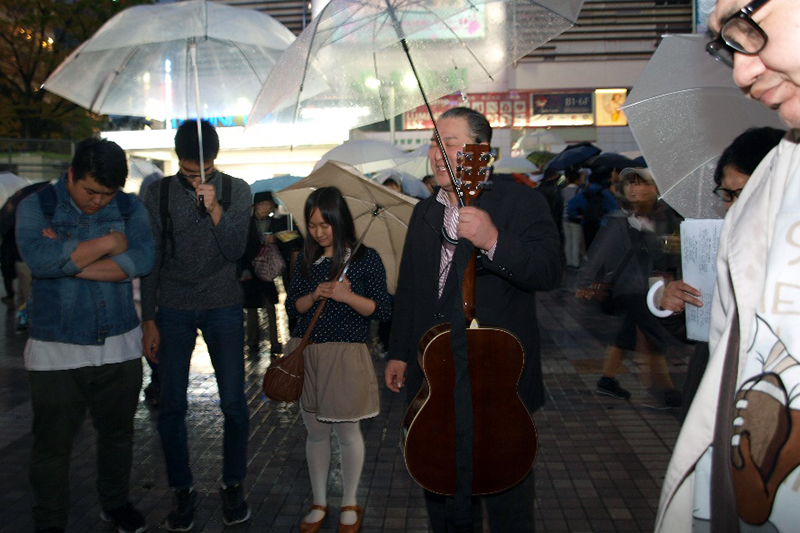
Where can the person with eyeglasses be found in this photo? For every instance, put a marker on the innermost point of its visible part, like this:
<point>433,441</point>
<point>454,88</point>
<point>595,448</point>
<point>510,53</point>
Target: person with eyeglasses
<point>737,162</point>
<point>736,463</point>
<point>200,231</point>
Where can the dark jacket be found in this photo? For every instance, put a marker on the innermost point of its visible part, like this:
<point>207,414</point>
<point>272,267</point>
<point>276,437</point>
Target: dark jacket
<point>526,260</point>
<point>617,237</point>
<point>257,292</point>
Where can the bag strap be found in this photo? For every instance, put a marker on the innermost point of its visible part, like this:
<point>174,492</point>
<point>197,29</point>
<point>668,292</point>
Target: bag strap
<point>724,513</point>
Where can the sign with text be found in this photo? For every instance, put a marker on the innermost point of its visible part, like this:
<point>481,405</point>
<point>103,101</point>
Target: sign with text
<point>517,109</point>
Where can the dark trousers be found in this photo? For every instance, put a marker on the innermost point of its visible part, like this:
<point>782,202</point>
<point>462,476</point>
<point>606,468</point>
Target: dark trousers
<point>510,511</point>
<point>223,331</point>
<point>60,400</point>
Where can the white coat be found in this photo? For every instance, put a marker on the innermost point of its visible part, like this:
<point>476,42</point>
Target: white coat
<point>748,238</point>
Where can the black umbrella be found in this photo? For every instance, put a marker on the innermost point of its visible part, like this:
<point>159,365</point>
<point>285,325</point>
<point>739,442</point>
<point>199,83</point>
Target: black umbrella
<point>611,160</point>
<point>8,214</point>
<point>572,155</point>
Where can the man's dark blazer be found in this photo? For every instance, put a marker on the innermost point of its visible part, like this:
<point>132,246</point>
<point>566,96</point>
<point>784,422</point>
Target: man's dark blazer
<point>527,259</point>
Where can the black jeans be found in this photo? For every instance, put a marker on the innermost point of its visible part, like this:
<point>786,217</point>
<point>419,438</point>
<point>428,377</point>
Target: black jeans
<point>60,399</point>
<point>510,511</point>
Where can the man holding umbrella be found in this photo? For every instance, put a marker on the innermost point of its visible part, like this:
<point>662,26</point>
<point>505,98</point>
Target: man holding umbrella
<point>520,254</point>
<point>736,459</point>
<point>200,230</point>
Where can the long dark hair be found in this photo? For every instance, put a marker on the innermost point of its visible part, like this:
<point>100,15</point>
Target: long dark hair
<point>334,211</point>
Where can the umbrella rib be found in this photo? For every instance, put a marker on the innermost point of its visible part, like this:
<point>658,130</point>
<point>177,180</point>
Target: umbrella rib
<point>245,59</point>
<point>112,82</point>
<point>695,169</point>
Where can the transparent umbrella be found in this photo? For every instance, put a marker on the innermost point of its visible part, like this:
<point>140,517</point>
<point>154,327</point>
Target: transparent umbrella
<point>372,59</point>
<point>541,139</point>
<point>178,60</point>
<point>684,110</point>
<point>366,155</point>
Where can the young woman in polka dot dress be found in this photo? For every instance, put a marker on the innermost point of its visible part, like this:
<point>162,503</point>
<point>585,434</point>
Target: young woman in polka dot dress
<point>340,386</point>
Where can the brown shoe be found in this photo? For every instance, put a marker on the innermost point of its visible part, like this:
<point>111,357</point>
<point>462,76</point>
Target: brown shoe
<point>313,527</point>
<point>352,528</point>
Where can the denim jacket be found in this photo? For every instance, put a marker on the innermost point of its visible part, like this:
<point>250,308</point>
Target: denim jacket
<point>62,307</point>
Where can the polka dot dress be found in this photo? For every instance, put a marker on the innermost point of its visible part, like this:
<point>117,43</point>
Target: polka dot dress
<point>339,322</point>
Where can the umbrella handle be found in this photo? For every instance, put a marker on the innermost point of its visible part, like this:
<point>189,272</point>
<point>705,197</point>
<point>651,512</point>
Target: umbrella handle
<point>201,206</point>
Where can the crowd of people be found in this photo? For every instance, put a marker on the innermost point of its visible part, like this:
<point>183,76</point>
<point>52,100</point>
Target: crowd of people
<point>194,239</point>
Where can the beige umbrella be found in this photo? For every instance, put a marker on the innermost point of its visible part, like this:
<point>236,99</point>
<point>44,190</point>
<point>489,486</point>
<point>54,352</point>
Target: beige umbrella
<point>381,215</point>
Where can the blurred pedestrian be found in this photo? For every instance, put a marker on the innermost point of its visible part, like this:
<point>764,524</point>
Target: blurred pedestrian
<point>261,293</point>
<point>573,236</point>
<point>591,205</point>
<point>628,252</point>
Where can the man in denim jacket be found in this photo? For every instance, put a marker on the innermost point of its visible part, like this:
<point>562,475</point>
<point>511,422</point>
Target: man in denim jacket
<point>84,241</point>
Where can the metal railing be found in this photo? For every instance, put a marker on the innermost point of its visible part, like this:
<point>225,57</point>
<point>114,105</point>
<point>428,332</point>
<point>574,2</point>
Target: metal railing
<point>36,159</point>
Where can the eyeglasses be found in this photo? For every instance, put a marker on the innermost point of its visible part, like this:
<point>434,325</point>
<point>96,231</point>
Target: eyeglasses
<point>738,33</point>
<point>727,195</point>
<point>194,174</point>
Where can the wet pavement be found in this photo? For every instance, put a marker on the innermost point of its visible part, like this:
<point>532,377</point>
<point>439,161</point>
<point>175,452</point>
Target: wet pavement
<point>600,465</point>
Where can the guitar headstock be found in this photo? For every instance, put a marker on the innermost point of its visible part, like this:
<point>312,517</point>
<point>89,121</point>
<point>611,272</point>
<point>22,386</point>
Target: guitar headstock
<point>473,170</point>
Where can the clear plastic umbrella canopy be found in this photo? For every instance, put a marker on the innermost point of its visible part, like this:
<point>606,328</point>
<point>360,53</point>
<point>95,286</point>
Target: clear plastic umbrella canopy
<point>351,59</point>
<point>537,140</point>
<point>140,63</point>
<point>684,110</point>
<point>366,155</point>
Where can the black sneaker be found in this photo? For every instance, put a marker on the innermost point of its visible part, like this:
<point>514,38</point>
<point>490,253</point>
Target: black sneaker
<point>611,387</point>
<point>234,507</point>
<point>152,395</point>
<point>181,518</point>
<point>126,519</point>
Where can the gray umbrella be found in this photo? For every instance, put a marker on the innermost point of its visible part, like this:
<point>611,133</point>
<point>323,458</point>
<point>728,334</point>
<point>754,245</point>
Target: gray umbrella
<point>684,110</point>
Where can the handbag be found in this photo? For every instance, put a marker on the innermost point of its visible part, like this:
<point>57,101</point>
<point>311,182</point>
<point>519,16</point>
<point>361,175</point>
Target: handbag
<point>601,291</point>
<point>283,380</point>
<point>269,263</point>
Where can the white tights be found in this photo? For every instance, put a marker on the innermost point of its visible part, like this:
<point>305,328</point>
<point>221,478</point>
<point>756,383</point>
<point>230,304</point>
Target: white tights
<point>318,455</point>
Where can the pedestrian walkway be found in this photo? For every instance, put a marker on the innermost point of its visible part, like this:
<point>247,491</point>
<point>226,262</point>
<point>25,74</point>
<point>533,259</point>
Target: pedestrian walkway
<point>600,465</point>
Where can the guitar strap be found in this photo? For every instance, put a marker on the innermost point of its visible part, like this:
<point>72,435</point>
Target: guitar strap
<point>459,512</point>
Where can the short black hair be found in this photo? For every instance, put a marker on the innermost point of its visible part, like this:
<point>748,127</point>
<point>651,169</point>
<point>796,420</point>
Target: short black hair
<point>479,127</point>
<point>550,174</point>
<point>101,159</point>
<point>601,176</point>
<point>264,196</point>
<point>187,146</point>
<point>747,150</point>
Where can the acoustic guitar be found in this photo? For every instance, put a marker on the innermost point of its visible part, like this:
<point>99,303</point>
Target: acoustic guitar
<point>504,437</point>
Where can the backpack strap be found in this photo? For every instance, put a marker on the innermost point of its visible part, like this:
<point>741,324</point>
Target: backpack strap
<point>124,204</point>
<point>166,218</point>
<point>225,198</point>
<point>48,201</point>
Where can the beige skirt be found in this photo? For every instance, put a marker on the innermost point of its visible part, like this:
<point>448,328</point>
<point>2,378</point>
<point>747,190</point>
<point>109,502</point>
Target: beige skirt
<point>340,384</point>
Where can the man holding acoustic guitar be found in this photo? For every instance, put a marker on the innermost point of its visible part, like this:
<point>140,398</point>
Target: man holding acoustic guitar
<point>516,252</point>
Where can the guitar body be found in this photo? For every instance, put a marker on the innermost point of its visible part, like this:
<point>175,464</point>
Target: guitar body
<point>504,444</point>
